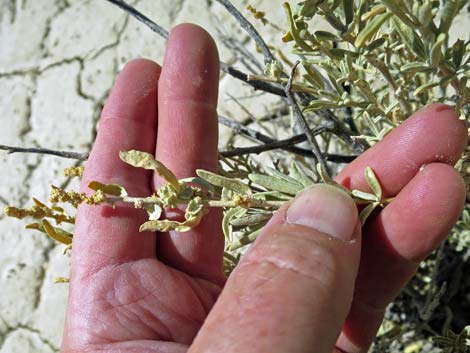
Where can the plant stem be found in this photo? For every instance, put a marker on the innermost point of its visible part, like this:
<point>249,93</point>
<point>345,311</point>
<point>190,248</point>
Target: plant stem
<point>295,87</point>
<point>301,120</point>
<point>140,17</point>
<point>250,29</point>
<point>64,154</point>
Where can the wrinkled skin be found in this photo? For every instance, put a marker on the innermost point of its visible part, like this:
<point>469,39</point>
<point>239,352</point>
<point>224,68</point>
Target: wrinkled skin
<point>146,292</point>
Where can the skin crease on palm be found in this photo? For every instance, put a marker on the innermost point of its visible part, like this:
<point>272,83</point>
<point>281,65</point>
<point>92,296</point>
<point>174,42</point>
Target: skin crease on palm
<point>296,290</point>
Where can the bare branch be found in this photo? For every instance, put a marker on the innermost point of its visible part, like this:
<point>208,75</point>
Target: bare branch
<point>257,85</point>
<point>282,144</point>
<point>258,136</point>
<point>268,144</point>
<point>64,154</point>
<point>301,119</point>
<point>141,17</point>
<point>250,29</point>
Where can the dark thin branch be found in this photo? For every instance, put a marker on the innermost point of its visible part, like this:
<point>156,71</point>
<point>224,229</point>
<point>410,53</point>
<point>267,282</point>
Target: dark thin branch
<point>64,154</point>
<point>265,147</point>
<point>240,50</point>
<point>282,144</point>
<point>259,137</point>
<point>141,17</point>
<point>257,85</point>
<point>250,29</point>
<point>301,119</point>
<point>269,145</point>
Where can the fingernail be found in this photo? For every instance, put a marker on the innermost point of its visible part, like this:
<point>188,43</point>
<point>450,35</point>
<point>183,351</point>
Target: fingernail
<point>326,209</point>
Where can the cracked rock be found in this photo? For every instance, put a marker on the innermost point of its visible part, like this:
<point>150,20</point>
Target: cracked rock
<point>24,341</point>
<point>61,116</point>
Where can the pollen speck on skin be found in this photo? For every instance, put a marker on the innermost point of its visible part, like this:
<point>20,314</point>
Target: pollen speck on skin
<point>197,81</point>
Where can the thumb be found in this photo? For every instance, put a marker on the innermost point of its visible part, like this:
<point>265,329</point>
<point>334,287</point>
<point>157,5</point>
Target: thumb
<point>292,291</point>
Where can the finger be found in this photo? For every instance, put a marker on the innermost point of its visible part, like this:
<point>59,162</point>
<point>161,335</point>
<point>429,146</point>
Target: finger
<point>106,235</point>
<point>402,235</point>
<point>293,289</point>
<point>433,134</point>
<point>187,140</point>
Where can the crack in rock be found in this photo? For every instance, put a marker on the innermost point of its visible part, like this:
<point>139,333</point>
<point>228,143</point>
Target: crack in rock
<point>47,250</point>
<point>11,330</point>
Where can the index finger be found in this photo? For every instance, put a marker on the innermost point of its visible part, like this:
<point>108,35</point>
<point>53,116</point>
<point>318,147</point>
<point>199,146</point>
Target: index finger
<point>106,235</point>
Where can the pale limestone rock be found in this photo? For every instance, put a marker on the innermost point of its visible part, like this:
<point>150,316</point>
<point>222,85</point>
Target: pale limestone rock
<point>53,296</point>
<point>61,118</point>
<point>23,27</point>
<point>25,341</point>
<point>24,255</point>
<point>99,73</point>
<point>83,30</point>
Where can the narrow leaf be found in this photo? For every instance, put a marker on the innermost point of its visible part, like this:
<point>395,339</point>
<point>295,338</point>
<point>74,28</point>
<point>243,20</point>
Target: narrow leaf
<point>271,195</point>
<point>398,8</point>
<point>451,9</point>
<point>245,240</point>
<point>436,50</point>
<point>348,8</point>
<point>424,88</point>
<point>55,233</point>
<point>370,29</point>
<point>416,66</point>
<point>297,173</point>
<point>228,183</point>
<point>275,183</point>
<point>199,182</point>
<point>277,173</point>
<point>411,39</point>
<point>229,215</point>
<point>376,44</point>
<point>323,174</point>
<point>318,104</point>
<point>364,195</point>
<point>251,219</point>
<point>366,212</point>
<point>458,52</point>
<point>373,182</point>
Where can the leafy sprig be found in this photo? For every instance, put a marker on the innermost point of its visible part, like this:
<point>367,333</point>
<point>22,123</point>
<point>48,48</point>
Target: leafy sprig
<point>249,201</point>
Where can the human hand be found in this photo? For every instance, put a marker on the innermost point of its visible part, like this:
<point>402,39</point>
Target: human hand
<point>301,284</point>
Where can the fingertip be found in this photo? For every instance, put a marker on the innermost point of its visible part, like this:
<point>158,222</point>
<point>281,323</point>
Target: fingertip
<point>191,65</point>
<point>134,94</point>
<point>424,212</point>
<point>441,118</point>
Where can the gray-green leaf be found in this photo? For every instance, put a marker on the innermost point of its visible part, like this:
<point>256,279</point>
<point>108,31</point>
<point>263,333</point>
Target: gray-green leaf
<point>371,29</point>
<point>275,183</point>
<point>366,212</point>
<point>228,183</point>
<point>373,182</point>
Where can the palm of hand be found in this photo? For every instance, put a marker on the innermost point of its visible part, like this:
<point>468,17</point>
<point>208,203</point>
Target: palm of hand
<point>135,305</point>
<point>123,298</point>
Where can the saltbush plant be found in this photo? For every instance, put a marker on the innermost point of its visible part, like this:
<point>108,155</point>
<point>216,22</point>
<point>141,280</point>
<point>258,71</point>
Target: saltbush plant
<point>346,89</point>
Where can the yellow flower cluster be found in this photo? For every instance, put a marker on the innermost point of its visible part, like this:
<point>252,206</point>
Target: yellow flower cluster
<point>75,198</point>
<point>74,171</point>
